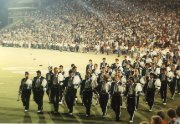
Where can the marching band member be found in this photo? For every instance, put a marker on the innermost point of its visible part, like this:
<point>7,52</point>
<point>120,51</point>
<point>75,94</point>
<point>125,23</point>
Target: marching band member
<point>146,70</point>
<point>146,74</point>
<point>48,79</point>
<point>115,65</point>
<point>163,89</point>
<point>78,75</point>
<point>61,79</point>
<point>127,71</point>
<point>100,80</point>
<point>137,78</point>
<point>153,67</point>
<point>136,64</point>
<point>178,81</point>
<point>103,64</point>
<point>124,62</point>
<point>150,94</point>
<point>130,93</point>
<point>25,90</point>
<point>109,71</point>
<point>55,90</point>
<point>171,78</point>
<point>95,70</point>
<point>71,85</point>
<point>70,92</point>
<point>39,86</point>
<point>89,66</point>
<point>117,90</point>
<point>87,93</point>
<point>104,94</point>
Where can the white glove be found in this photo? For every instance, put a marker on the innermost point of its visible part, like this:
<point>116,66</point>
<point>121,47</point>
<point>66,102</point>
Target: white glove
<point>44,89</point>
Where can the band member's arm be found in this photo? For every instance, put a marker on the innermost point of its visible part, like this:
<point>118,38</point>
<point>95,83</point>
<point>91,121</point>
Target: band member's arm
<point>20,88</point>
<point>126,90</point>
<point>33,84</point>
<point>44,84</point>
<point>82,87</point>
<point>29,83</point>
<point>80,76</point>
<point>47,76</point>
<point>66,82</point>
<point>112,88</point>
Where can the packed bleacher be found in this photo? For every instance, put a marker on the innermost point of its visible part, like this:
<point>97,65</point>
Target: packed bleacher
<point>100,26</point>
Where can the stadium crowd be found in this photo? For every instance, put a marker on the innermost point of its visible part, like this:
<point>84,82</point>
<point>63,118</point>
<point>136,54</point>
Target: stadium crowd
<point>173,115</point>
<point>147,31</point>
<point>116,26</point>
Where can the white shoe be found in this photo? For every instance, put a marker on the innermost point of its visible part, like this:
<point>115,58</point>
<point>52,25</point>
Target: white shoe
<point>150,110</point>
<point>131,121</point>
<point>135,109</point>
<point>164,103</point>
<point>179,93</point>
<point>60,103</point>
<point>70,113</point>
<point>39,111</point>
<point>25,110</point>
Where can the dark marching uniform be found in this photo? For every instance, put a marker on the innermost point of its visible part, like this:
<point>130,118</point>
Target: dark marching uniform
<point>100,80</point>
<point>55,92</point>
<point>39,86</point>
<point>124,63</point>
<point>146,73</point>
<point>103,64</point>
<point>150,94</point>
<point>172,84</point>
<point>178,80</point>
<point>25,89</point>
<point>48,79</point>
<point>116,100</point>
<point>137,80</point>
<point>89,66</point>
<point>87,92</point>
<point>70,93</point>
<point>163,88</point>
<point>131,98</point>
<point>104,96</point>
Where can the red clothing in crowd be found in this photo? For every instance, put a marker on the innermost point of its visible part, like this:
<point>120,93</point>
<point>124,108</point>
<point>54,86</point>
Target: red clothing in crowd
<point>163,122</point>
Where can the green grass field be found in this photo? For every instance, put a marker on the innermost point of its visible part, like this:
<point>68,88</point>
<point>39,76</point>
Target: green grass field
<point>13,63</point>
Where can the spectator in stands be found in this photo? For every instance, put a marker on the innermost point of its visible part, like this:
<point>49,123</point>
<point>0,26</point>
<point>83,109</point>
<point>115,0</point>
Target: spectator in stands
<point>156,120</point>
<point>178,115</point>
<point>162,115</point>
<point>172,116</point>
<point>144,122</point>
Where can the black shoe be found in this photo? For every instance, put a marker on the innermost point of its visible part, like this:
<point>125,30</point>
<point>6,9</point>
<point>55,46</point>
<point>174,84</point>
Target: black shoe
<point>117,118</point>
<point>56,113</point>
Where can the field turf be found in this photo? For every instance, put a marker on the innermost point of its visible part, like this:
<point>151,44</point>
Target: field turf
<point>13,63</point>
